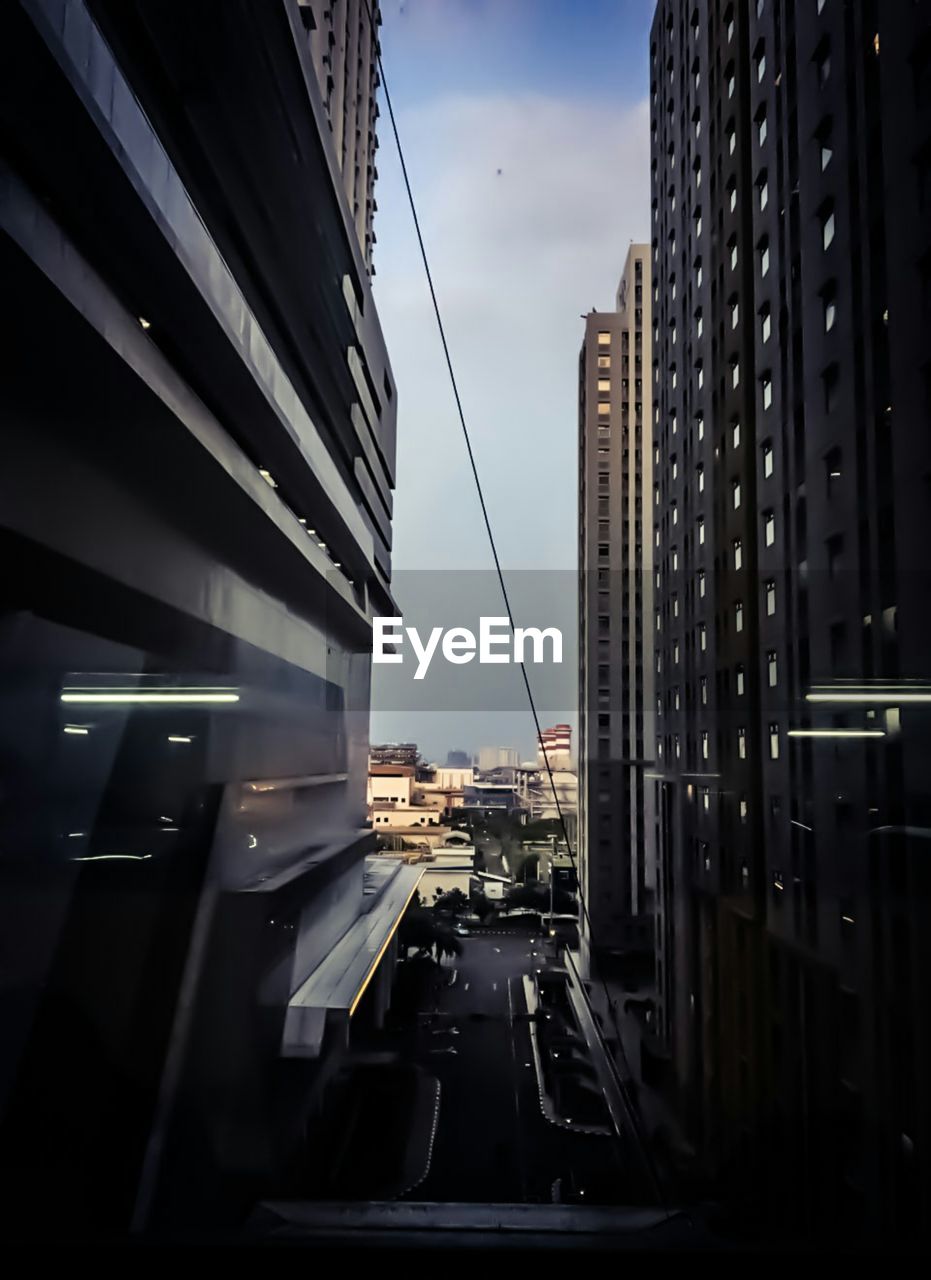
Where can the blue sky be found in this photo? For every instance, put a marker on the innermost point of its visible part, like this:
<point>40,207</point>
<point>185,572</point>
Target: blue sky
<point>554,95</point>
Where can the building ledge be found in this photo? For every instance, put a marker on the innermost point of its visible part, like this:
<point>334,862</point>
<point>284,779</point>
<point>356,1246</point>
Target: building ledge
<point>338,983</point>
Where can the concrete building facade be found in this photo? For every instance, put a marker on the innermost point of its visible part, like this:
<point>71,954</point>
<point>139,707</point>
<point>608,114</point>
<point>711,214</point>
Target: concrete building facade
<point>616,701</point>
<point>790,247</point>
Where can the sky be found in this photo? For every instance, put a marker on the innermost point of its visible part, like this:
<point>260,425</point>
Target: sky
<point>525,127</point>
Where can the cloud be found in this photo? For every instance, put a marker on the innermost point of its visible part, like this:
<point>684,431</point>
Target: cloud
<point>517,256</point>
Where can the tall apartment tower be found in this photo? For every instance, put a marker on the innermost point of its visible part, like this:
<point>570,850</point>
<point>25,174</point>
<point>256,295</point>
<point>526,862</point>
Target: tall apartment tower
<point>344,48</point>
<point>791,190</point>
<point>616,697</point>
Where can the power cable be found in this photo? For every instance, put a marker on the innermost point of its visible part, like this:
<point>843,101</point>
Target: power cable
<point>629,1104</point>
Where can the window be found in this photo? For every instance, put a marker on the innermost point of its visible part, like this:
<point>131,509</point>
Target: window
<point>700,423</point>
<point>741,687</point>
<point>761,126</point>
<point>764,257</point>
<point>732,246</point>
<point>739,626</point>
<point>702,637</point>
<point>766,324</point>
<point>738,553</point>
<point>827,225</point>
<point>698,323</point>
<point>734,305</point>
<point>703,685</point>
<point>735,494</point>
<point>774,742</point>
<point>829,307</point>
<point>767,460</point>
<point>823,137</point>
<point>735,373</point>
<point>730,79</point>
<point>760,59</point>
<point>735,433</point>
<point>701,584</point>
<point>704,744</point>
<point>604,408</point>
<point>832,469</point>
<point>830,381</point>
<point>604,339</point>
<point>700,473</point>
<point>767,385</point>
<point>729,24</point>
<point>706,799</point>
<point>604,385</point>
<point>769,528</point>
<point>741,744</point>
<point>770,598</point>
<point>701,532</point>
<point>823,62</point>
<point>604,362</point>
<point>675,697</point>
<point>731,138</point>
<point>772,669</point>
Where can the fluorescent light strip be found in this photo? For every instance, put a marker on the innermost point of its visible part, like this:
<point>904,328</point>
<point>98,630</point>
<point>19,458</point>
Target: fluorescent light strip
<point>146,697</point>
<point>76,730</point>
<point>113,857</point>
<point>836,733</point>
<point>893,698</point>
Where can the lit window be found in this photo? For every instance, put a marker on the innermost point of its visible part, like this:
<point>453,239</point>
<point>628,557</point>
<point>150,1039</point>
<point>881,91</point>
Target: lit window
<point>735,493</point>
<point>774,742</point>
<point>731,139</point>
<point>732,193</point>
<point>733,248</point>
<point>735,373</point>
<point>604,408</point>
<point>604,385</point>
<point>763,188</point>
<point>701,426</point>
<point>675,514</point>
<point>702,637</point>
<point>760,62</point>
<point>704,744</point>
<point>675,605</point>
<point>706,799</point>
<point>743,818</point>
<point>823,62</point>
<point>703,685</point>
<point>770,598</point>
<point>767,384</point>
<point>701,533</point>
<point>761,127</point>
<point>764,257</point>
<point>739,626</point>
<point>741,688</point>
<point>735,433</point>
<point>701,583</point>
<point>700,472</point>
<point>675,697</point>
<point>742,744</point>
<point>675,466</point>
<point>604,339</point>
<point>767,460</point>
<point>769,528</point>
<point>698,323</point>
<point>735,312</point>
<point>772,669</point>
<point>731,81</point>
<point>604,362</point>
<point>738,553</point>
<point>766,324</point>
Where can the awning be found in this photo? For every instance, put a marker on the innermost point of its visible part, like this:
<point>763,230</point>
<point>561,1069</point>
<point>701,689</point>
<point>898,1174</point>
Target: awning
<point>338,983</point>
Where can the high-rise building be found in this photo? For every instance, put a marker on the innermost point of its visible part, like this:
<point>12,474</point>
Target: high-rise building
<point>616,709</point>
<point>498,758</point>
<point>344,48</point>
<point>791,245</point>
<point>195,532</point>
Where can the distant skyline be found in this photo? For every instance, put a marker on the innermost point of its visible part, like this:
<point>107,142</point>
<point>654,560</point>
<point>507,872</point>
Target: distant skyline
<point>525,125</point>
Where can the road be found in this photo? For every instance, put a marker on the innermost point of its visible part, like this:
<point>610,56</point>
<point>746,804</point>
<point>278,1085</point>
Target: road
<point>492,1141</point>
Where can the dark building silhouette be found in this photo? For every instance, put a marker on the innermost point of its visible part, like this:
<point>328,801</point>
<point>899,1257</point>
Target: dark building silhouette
<point>791,234</point>
<point>195,532</point>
